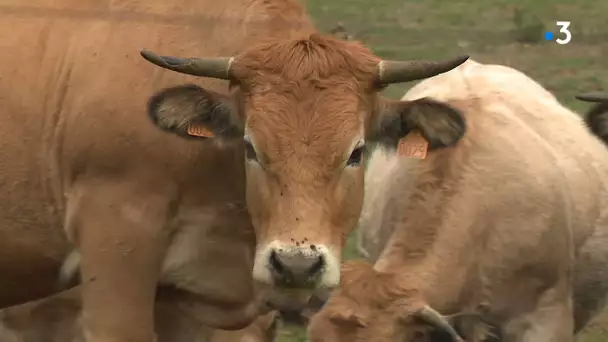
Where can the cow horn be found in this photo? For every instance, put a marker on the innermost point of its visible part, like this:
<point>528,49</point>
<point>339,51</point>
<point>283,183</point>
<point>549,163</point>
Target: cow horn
<point>600,96</point>
<point>405,71</point>
<point>216,67</point>
<point>435,319</point>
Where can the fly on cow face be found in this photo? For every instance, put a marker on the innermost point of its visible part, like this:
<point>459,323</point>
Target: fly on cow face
<point>305,108</point>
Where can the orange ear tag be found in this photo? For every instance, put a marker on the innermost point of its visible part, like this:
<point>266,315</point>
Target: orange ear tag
<point>199,130</point>
<point>413,145</point>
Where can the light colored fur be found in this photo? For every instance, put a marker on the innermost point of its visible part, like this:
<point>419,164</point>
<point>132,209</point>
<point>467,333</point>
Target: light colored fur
<point>513,220</point>
<point>370,239</point>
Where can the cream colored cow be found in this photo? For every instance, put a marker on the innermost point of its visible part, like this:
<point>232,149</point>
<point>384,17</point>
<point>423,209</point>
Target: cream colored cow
<point>506,233</point>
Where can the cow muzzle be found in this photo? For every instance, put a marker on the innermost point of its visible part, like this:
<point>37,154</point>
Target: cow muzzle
<point>297,267</point>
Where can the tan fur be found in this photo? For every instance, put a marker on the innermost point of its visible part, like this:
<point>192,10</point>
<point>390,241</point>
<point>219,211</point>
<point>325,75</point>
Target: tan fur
<point>143,208</point>
<point>58,319</point>
<point>512,223</point>
<point>308,200</point>
<point>75,127</point>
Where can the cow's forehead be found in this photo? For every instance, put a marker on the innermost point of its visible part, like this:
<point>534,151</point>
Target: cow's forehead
<point>310,58</point>
<point>308,95</point>
<point>328,122</point>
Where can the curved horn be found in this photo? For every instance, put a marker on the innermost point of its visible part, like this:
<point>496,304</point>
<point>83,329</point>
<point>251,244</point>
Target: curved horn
<point>435,319</point>
<point>216,67</point>
<point>405,71</point>
<point>600,96</point>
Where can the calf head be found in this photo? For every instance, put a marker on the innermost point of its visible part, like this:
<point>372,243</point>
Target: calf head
<point>304,112</point>
<point>375,306</point>
<point>597,117</point>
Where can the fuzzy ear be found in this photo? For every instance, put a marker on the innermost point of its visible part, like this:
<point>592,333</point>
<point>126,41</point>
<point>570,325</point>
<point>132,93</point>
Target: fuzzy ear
<point>348,315</point>
<point>191,111</point>
<point>439,123</point>
<point>597,121</point>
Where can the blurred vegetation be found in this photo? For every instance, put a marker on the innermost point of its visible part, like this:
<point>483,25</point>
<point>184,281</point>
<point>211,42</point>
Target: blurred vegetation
<point>508,32</point>
<point>527,28</point>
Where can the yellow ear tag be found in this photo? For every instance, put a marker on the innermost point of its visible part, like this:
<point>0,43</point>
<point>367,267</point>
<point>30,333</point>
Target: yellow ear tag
<point>413,145</point>
<point>199,130</point>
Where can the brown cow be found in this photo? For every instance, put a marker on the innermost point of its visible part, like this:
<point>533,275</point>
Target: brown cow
<point>597,117</point>
<point>509,229</point>
<point>57,319</point>
<point>276,193</point>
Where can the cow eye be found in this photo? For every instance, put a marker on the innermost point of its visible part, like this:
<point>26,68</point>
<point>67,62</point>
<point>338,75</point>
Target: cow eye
<point>250,152</point>
<point>355,157</point>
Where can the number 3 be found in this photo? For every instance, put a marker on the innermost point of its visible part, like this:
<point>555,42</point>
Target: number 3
<point>564,29</point>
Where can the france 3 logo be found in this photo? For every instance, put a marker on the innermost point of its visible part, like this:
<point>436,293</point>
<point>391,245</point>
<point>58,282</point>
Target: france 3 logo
<point>564,35</point>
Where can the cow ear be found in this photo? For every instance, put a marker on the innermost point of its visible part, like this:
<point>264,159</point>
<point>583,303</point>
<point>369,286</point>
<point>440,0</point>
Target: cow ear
<point>597,121</point>
<point>345,311</point>
<point>194,112</point>
<point>439,123</point>
<point>348,317</point>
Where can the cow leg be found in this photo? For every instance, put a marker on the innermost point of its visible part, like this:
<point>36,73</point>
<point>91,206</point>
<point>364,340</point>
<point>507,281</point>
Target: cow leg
<point>120,235</point>
<point>552,321</point>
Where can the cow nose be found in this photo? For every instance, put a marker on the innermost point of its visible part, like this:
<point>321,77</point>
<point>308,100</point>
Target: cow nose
<point>295,269</point>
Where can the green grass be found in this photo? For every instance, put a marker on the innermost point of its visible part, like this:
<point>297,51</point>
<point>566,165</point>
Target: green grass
<point>487,31</point>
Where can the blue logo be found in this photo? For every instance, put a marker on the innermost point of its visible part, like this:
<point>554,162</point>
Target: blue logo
<point>564,35</point>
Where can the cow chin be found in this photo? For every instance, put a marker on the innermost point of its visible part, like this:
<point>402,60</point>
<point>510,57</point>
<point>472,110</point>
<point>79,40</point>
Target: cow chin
<point>285,300</point>
<point>297,266</point>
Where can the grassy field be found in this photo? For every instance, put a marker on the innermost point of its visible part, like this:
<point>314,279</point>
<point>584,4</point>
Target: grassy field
<point>508,32</point>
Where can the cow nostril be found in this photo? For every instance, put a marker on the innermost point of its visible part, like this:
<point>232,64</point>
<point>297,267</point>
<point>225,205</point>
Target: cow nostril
<point>317,266</point>
<point>295,268</point>
<point>275,262</point>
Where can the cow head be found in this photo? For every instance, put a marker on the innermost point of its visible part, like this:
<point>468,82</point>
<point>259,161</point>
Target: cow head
<point>304,111</point>
<point>597,117</point>
<point>376,306</point>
